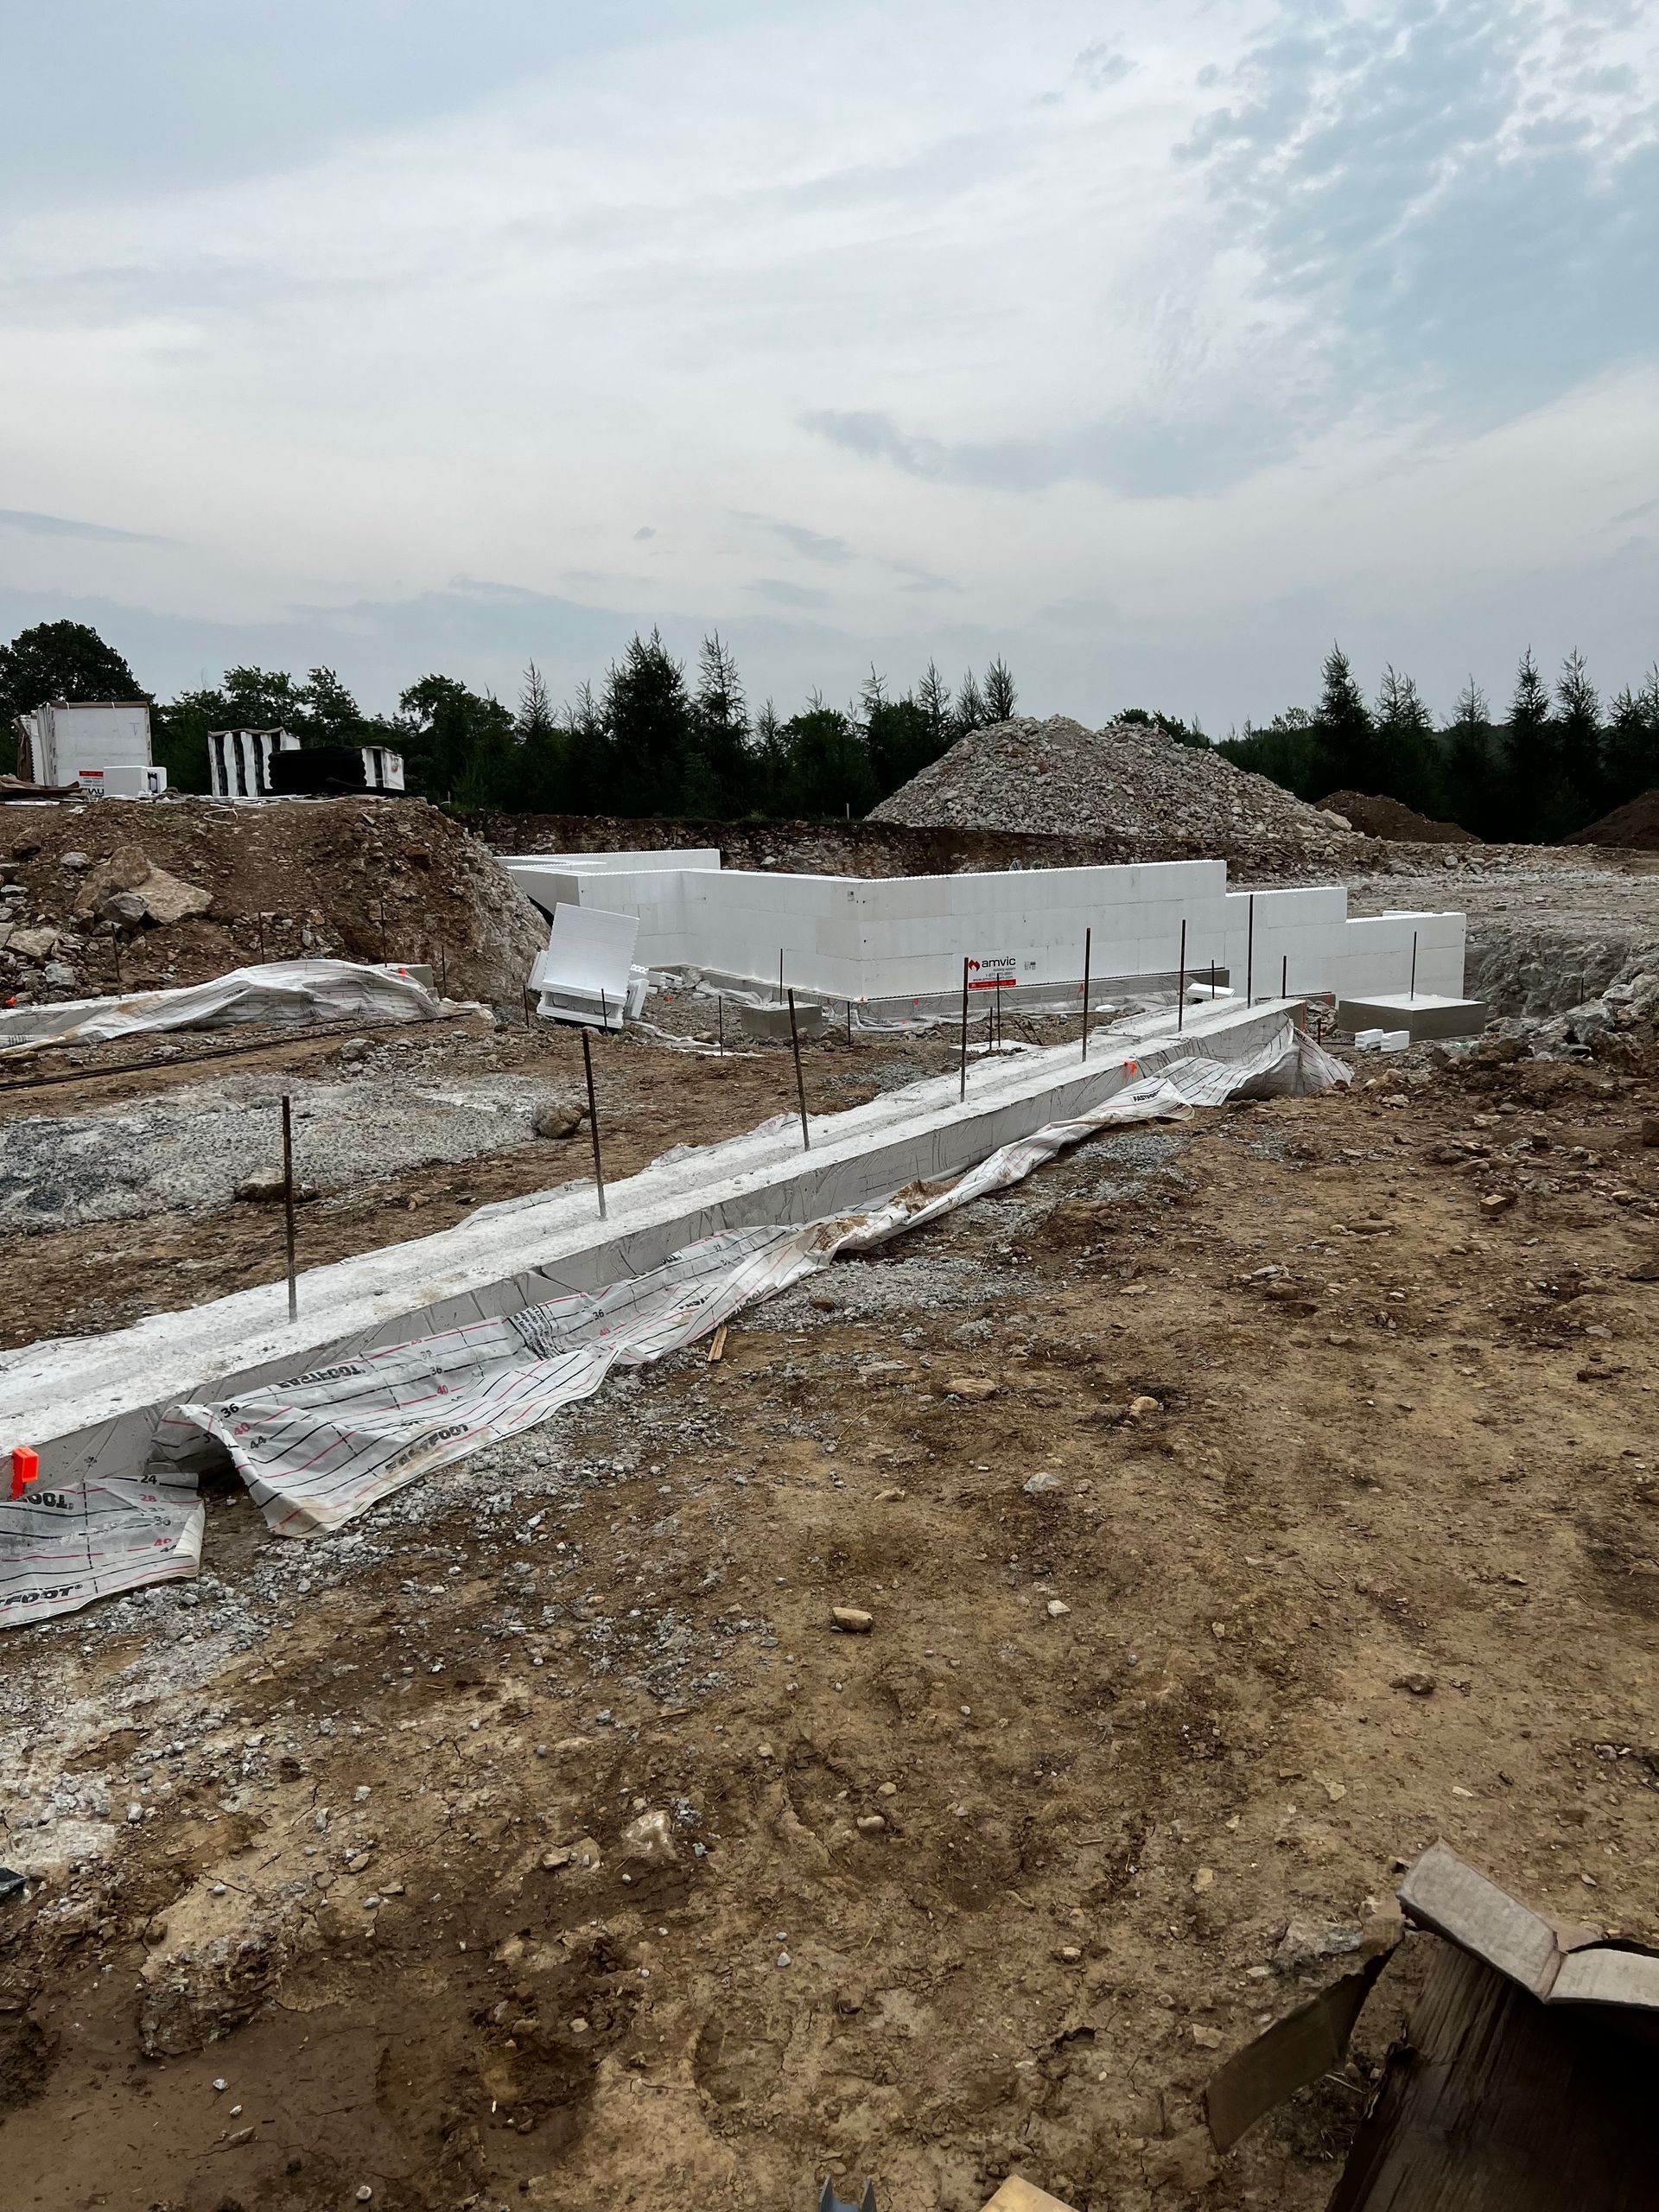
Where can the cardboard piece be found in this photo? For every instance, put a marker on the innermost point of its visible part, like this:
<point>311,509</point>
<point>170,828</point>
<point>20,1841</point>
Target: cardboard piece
<point>1287,2056</point>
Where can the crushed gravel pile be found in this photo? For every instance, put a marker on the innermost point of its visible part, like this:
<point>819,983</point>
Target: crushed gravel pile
<point>178,890</point>
<point>1060,778</point>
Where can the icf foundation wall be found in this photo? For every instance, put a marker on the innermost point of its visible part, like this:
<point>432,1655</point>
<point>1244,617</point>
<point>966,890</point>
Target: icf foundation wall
<point>905,937</point>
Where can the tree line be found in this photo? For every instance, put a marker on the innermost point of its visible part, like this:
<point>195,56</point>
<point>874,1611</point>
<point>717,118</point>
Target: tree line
<point>653,739</point>
<point>650,739</point>
<point>1558,760</point>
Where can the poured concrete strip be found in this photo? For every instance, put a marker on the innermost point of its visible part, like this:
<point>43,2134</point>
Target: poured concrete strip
<point>90,1406</point>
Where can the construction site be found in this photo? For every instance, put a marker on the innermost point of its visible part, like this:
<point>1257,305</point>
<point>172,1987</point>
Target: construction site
<point>948,1504</point>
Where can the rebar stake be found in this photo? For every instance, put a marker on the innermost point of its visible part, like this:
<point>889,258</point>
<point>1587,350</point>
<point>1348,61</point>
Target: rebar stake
<point>1088,943</point>
<point>288,1203</point>
<point>800,1081</point>
<point>1413,963</point>
<point>593,1121</point>
<point>1180,983</point>
<point>1249,955</point>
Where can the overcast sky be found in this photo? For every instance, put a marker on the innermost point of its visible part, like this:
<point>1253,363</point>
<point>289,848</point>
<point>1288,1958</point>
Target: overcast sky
<point>1152,343</point>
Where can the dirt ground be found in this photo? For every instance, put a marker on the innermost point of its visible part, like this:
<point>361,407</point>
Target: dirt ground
<point>541,1841</point>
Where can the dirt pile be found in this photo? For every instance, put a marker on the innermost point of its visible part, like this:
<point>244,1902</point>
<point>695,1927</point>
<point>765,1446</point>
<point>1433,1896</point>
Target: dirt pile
<point>1059,777</point>
<point>1632,827</point>
<point>1377,817</point>
<point>98,896</point>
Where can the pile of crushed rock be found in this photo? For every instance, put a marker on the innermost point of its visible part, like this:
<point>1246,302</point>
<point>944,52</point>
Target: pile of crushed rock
<point>1129,778</point>
<point>1377,815</point>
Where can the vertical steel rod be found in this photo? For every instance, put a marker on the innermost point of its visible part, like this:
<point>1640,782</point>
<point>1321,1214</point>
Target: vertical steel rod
<point>720,1018</point>
<point>849,1021</point>
<point>593,1121</point>
<point>781,975</point>
<point>800,1081</point>
<point>1088,946</point>
<point>963,1091</point>
<point>1413,963</point>
<point>1284,976</point>
<point>288,1203</point>
<point>383,929</point>
<point>1180,983</point>
<point>1249,955</point>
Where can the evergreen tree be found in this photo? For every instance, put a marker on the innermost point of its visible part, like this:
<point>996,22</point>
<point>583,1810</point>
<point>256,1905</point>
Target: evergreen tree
<point>539,765</point>
<point>1535,804</point>
<point>719,778</point>
<point>969,711</point>
<point>999,692</point>
<point>1630,747</point>
<point>586,753</point>
<point>1577,743</point>
<point>933,697</point>
<point>1405,763</point>
<point>1344,741</point>
<point>651,729</point>
<point>770,757</point>
<point>1471,767</point>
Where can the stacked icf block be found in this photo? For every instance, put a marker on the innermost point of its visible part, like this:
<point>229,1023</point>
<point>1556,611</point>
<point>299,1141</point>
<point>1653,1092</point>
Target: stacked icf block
<point>893,939</point>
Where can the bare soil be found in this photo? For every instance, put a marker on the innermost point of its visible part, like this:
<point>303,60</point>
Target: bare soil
<point>1378,1565</point>
<point>353,879</point>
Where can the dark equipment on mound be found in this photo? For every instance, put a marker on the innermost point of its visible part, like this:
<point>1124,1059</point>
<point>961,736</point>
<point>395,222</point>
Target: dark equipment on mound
<point>327,771</point>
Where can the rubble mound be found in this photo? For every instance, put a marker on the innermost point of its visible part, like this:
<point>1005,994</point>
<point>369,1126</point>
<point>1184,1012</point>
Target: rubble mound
<point>111,894</point>
<point>1060,779</point>
<point>1377,817</point>
<point>1632,827</point>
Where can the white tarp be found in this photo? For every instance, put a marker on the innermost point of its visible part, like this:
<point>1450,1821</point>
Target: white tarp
<point>319,1451</point>
<point>280,991</point>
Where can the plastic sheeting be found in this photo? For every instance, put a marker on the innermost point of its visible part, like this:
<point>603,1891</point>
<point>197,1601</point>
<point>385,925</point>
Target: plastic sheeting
<point>280,991</point>
<point>319,1451</point>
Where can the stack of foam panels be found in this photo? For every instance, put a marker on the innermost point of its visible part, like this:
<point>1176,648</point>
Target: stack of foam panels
<point>895,940</point>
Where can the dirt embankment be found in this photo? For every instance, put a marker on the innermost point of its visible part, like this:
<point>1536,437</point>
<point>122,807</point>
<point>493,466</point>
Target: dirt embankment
<point>174,892</point>
<point>1632,827</point>
<point>539,1841</point>
<point>1377,817</point>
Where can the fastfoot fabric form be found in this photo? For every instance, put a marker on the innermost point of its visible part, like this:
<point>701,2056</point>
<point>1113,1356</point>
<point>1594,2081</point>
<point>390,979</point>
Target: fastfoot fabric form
<point>318,1451</point>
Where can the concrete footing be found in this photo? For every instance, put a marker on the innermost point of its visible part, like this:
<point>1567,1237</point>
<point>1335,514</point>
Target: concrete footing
<point>1423,1016</point>
<point>90,1405</point>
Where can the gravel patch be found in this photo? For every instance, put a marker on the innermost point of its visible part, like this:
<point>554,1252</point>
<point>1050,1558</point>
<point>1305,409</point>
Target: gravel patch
<point>197,1144</point>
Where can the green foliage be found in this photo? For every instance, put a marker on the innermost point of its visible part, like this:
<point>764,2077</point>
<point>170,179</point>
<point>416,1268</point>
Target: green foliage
<point>1344,741</point>
<point>1469,764</point>
<point>1172,725</point>
<point>59,660</point>
<point>648,743</point>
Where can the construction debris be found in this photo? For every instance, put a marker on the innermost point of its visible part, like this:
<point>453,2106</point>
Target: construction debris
<point>1539,2100</point>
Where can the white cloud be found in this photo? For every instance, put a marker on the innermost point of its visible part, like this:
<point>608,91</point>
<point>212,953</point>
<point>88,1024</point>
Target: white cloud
<point>485,341</point>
